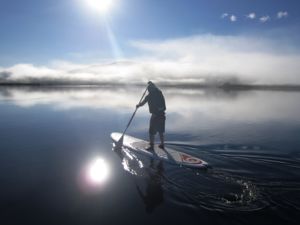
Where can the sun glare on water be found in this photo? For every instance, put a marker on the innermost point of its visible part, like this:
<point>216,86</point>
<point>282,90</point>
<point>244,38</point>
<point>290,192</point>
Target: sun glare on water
<point>98,171</point>
<point>101,6</point>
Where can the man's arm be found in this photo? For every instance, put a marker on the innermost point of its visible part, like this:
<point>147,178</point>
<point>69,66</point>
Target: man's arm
<point>143,102</point>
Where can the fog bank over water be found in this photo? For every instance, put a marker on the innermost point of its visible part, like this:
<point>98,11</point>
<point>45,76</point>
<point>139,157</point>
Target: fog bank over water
<point>209,60</point>
<point>184,106</point>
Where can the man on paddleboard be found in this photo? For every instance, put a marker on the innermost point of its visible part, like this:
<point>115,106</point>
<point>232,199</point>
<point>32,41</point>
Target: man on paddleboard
<point>157,107</point>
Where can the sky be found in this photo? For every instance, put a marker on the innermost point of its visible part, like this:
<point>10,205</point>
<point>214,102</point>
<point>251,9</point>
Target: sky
<point>236,39</point>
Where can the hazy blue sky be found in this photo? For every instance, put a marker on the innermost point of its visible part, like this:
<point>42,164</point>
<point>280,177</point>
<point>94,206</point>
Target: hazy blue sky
<point>178,41</point>
<point>35,31</point>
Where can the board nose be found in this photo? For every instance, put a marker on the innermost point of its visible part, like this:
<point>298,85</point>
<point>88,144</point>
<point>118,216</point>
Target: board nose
<point>115,136</point>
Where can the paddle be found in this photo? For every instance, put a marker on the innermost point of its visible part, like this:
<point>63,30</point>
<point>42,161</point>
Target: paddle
<point>120,142</point>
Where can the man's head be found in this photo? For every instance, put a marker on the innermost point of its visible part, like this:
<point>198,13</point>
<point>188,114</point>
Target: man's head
<point>151,86</point>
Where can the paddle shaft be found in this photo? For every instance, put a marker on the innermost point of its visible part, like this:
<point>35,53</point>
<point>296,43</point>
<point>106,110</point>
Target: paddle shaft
<point>133,114</point>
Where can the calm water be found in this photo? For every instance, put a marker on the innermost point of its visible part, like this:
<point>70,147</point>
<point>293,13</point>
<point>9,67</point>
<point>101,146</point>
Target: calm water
<point>58,167</point>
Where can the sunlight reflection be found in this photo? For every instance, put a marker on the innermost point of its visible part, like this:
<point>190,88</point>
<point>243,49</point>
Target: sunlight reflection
<point>98,171</point>
<point>131,163</point>
<point>93,176</point>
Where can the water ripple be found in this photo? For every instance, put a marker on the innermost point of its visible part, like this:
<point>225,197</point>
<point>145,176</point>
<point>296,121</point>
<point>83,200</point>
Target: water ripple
<point>241,178</point>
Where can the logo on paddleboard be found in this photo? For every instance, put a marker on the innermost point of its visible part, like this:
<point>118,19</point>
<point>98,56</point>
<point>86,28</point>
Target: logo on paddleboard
<point>190,159</point>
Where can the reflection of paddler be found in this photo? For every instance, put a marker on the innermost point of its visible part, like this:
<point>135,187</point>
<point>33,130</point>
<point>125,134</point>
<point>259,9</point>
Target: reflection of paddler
<point>154,195</point>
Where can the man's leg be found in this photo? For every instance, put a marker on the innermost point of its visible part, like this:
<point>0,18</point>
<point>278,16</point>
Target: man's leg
<point>162,140</point>
<point>161,130</point>
<point>151,139</point>
<point>151,132</point>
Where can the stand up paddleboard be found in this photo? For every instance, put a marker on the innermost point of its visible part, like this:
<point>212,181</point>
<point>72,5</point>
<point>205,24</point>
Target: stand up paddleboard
<point>166,154</point>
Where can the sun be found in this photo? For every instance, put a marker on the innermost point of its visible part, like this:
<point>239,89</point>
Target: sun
<point>101,6</point>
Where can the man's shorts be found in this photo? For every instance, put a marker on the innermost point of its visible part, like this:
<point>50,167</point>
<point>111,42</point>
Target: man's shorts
<point>157,124</point>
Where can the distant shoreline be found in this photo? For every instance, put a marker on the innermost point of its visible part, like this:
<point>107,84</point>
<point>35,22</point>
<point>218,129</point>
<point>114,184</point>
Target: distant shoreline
<point>225,87</point>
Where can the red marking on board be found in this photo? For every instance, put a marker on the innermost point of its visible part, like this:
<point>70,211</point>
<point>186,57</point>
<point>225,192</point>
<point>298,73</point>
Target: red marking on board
<point>190,159</point>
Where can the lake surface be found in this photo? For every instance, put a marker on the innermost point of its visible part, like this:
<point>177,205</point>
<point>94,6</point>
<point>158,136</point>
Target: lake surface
<point>58,166</point>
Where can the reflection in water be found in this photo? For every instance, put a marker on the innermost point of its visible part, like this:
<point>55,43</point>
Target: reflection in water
<point>98,171</point>
<point>154,194</point>
<point>94,175</point>
<point>130,162</point>
<point>205,116</point>
<point>191,188</point>
<point>184,104</point>
<point>151,174</point>
<point>250,139</point>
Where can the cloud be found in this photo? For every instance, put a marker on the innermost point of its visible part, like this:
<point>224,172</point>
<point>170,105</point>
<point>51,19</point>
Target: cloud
<point>264,19</point>
<point>282,14</point>
<point>251,16</point>
<point>233,18</point>
<point>202,59</point>
<point>224,15</point>
<point>248,59</point>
